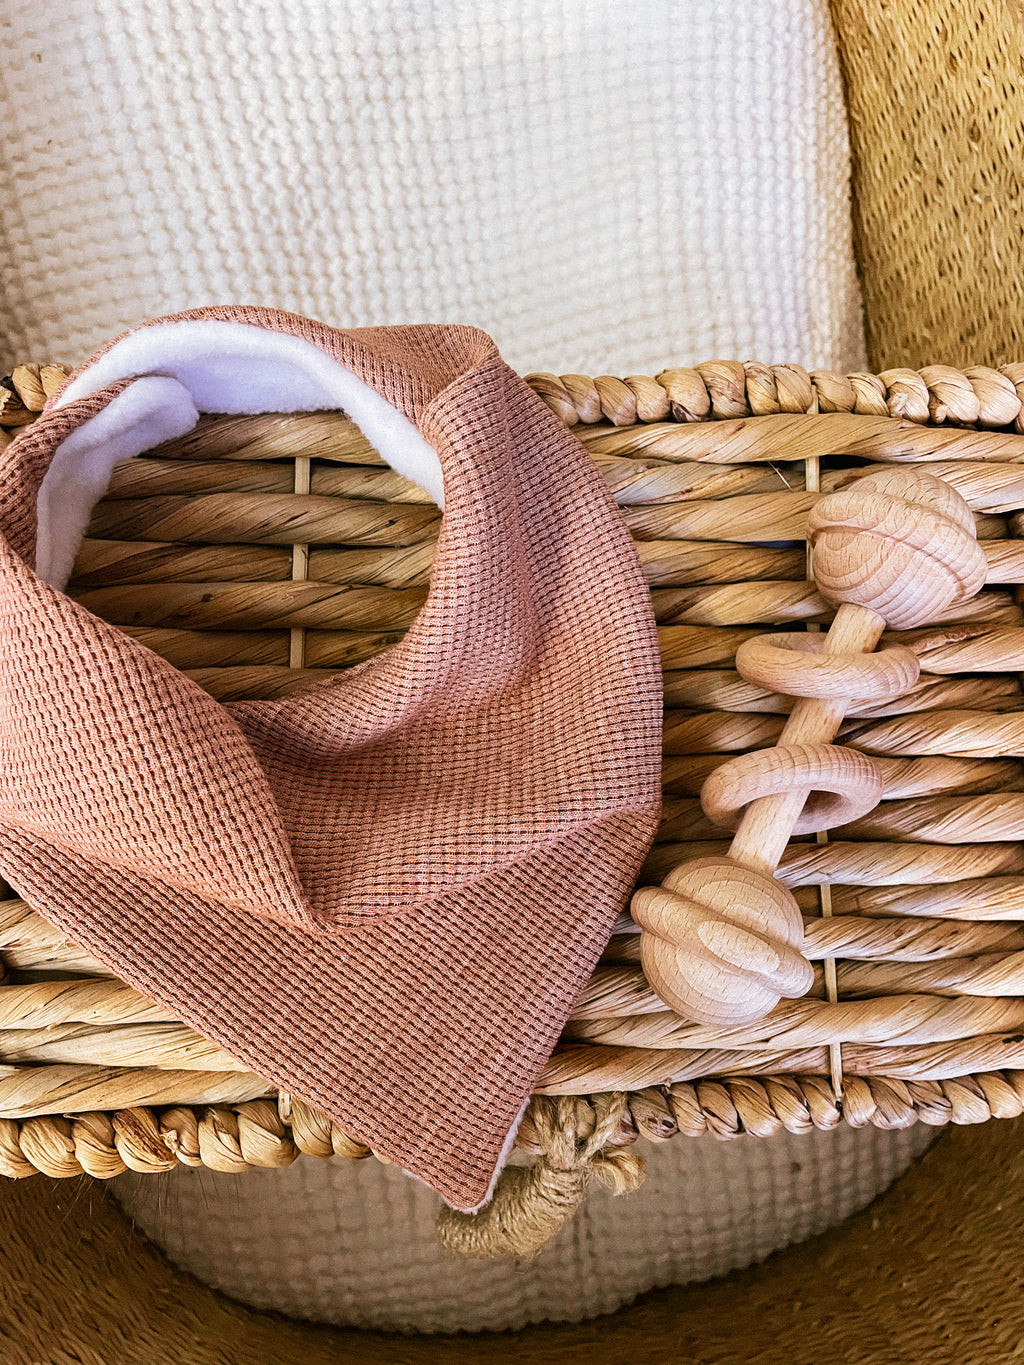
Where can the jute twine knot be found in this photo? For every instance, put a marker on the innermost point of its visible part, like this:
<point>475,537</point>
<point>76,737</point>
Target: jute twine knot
<point>531,1203</point>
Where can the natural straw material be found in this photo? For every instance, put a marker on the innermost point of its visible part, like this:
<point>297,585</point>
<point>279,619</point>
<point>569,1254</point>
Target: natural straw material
<point>912,916</point>
<point>532,1202</point>
<point>935,99</point>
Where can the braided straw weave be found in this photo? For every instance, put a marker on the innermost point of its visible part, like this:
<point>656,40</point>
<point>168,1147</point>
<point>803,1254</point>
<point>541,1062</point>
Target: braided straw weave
<point>935,98</point>
<point>259,551</point>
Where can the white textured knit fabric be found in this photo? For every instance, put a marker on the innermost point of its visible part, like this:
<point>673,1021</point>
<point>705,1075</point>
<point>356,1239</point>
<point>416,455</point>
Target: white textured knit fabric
<point>356,1246</point>
<point>599,184</point>
<point>603,186</point>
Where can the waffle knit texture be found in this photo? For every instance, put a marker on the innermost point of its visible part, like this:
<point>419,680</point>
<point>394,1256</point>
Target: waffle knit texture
<point>594,183</point>
<point>384,893</point>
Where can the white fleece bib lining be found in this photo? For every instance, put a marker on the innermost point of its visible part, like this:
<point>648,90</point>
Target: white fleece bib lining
<point>182,369</point>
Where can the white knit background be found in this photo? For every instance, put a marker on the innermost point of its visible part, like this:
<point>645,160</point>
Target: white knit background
<point>604,186</point>
<point>327,1241</point>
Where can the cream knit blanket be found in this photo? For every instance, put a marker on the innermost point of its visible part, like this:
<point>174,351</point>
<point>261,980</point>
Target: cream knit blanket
<point>595,183</point>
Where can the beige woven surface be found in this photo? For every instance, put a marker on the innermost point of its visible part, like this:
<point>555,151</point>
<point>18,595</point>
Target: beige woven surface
<point>918,1004</point>
<point>580,182</point>
<point>935,94</point>
<point>356,1246</point>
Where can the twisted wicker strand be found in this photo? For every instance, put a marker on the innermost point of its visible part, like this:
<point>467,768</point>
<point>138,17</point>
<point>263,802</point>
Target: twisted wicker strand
<point>666,563</point>
<point>957,648</point>
<point>618,987</point>
<point>23,393</point>
<point>530,1204</point>
<point>793,440</point>
<point>866,864</point>
<point>992,974</point>
<point>252,1134</point>
<point>586,1068</point>
<point>740,604</point>
<point>102,1022</point>
<point>728,690</point>
<point>898,1022</point>
<point>937,395</point>
<point>725,389</point>
<point>943,1036</point>
<point>369,609</point>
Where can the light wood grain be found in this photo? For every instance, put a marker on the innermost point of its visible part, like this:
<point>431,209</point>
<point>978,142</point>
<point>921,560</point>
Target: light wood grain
<point>897,546</point>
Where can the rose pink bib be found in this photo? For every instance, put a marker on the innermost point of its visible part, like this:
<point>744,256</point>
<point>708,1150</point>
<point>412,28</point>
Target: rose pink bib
<point>385,892</point>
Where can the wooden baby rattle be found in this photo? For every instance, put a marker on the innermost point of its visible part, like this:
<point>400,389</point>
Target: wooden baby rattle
<point>721,940</point>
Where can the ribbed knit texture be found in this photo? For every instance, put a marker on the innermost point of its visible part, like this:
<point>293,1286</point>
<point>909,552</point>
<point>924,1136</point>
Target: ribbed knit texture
<point>383,893</point>
<point>595,183</point>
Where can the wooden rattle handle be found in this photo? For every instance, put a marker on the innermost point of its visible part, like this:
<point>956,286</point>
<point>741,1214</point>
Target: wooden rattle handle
<point>721,938</point>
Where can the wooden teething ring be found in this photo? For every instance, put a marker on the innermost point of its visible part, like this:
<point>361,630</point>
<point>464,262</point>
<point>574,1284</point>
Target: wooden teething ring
<point>721,937</point>
<point>796,665</point>
<point>843,785</point>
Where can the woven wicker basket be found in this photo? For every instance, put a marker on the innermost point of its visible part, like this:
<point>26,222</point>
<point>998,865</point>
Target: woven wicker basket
<point>932,1273</point>
<point>258,552</point>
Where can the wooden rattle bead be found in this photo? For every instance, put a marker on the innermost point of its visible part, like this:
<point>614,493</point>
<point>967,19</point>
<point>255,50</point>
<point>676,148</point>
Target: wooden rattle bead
<point>713,919</point>
<point>843,785</point>
<point>899,543</point>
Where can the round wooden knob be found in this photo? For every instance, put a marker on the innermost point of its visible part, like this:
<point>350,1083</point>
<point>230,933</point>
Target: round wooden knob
<point>722,942</point>
<point>898,542</point>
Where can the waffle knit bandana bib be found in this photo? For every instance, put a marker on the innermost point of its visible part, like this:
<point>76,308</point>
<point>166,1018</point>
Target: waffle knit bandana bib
<point>384,892</point>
